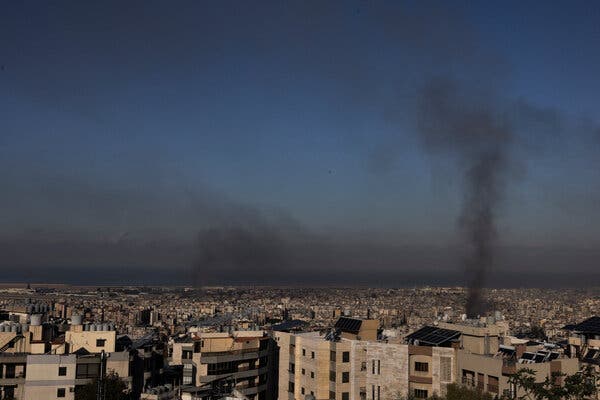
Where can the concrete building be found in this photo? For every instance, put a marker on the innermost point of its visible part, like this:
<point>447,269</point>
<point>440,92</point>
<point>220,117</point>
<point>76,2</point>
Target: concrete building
<point>50,377</point>
<point>475,353</point>
<point>241,360</point>
<point>91,337</point>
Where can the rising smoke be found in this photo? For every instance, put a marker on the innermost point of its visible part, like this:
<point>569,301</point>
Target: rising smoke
<point>458,123</point>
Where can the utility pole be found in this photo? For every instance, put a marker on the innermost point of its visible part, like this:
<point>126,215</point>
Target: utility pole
<point>101,392</point>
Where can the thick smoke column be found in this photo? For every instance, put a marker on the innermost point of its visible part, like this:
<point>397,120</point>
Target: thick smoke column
<point>459,123</point>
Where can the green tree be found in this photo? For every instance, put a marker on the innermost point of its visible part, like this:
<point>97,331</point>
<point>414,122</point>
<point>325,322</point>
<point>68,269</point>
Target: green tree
<point>578,386</point>
<point>114,388</point>
<point>459,392</point>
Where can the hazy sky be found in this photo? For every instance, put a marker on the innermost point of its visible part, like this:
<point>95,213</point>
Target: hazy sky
<point>131,130</point>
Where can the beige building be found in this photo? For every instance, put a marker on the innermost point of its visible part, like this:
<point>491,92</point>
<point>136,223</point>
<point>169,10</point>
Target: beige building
<point>94,338</point>
<point>50,377</point>
<point>475,353</point>
<point>241,360</point>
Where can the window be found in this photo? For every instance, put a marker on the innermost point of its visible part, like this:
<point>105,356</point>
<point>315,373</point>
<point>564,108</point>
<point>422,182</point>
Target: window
<point>87,371</point>
<point>303,371</point>
<point>378,370</point>
<point>100,342</point>
<point>61,392</point>
<point>291,387</point>
<point>345,396</point>
<point>346,356</point>
<point>303,352</point>
<point>331,395</point>
<point>62,371</point>
<point>332,355</point>
<point>312,354</point>
<point>332,376</point>
<point>378,392</point>
<point>292,368</point>
<point>445,369</point>
<point>312,374</point>
<point>420,394</point>
<point>363,366</point>
<point>421,366</point>
<point>302,390</point>
<point>187,354</point>
<point>345,377</point>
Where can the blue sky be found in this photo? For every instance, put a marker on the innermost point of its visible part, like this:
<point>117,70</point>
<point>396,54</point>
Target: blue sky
<point>117,118</point>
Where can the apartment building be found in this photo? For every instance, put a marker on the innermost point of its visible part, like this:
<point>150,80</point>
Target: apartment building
<point>584,341</point>
<point>240,360</point>
<point>479,354</point>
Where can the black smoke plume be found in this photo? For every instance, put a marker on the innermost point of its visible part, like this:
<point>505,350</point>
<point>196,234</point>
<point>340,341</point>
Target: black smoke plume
<point>231,252</point>
<point>464,125</point>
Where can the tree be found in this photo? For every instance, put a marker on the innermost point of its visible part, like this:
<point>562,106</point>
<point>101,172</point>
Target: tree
<point>574,387</point>
<point>114,388</point>
<point>459,392</point>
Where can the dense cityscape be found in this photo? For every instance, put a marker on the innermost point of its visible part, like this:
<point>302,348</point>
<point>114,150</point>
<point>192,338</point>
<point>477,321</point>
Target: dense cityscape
<point>251,342</point>
<point>299,200</point>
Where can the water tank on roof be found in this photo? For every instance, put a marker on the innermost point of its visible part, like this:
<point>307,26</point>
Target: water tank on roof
<point>36,319</point>
<point>36,308</point>
<point>2,328</point>
<point>86,327</point>
<point>105,327</point>
<point>111,326</point>
<point>29,309</point>
<point>92,327</point>
<point>98,327</point>
<point>24,328</point>
<point>76,320</point>
<point>14,328</point>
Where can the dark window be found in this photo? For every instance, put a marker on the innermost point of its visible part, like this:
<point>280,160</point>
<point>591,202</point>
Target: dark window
<point>420,394</point>
<point>303,371</point>
<point>346,356</point>
<point>292,368</point>
<point>332,355</point>
<point>61,392</point>
<point>312,354</point>
<point>291,387</point>
<point>187,354</point>
<point>86,371</point>
<point>302,390</point>
<point>312,374</point>
<point>345,377</point>
<point>345,396</point>
<point>378,367</point>
<point>332,376</point>
<point>421,366</point>
<point>222,368</point>
<point>373,368</point>
<point>62,371</point>
<point>304,352</point>
<point>331,395</point>
<point>100,342</point>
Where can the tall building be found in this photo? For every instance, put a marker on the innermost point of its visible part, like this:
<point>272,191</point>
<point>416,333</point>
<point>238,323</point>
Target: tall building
<point>346,364</point>
<point>240,360</point>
